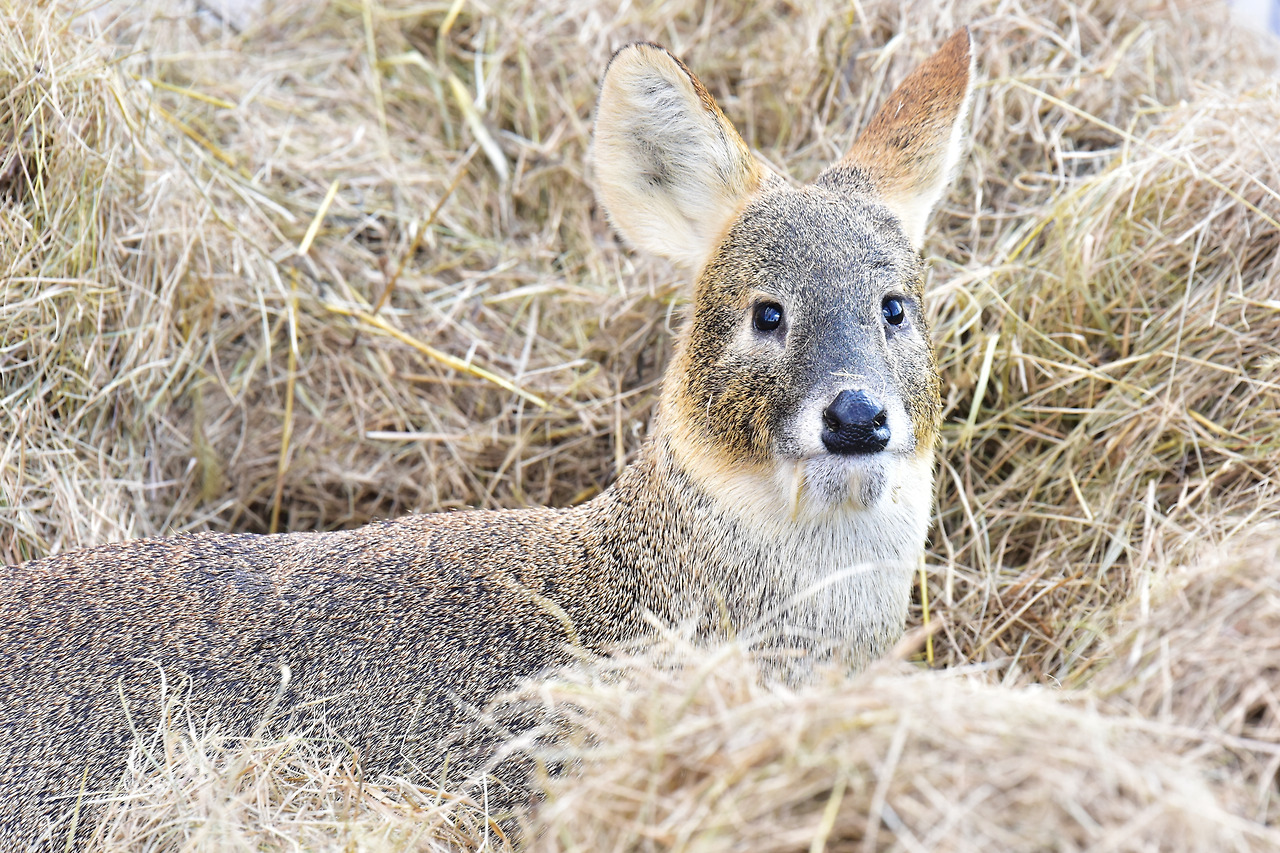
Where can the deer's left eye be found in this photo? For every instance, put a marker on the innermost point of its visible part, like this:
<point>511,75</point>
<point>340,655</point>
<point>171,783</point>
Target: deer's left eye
<point>767,316</point>
<point>894,310</point>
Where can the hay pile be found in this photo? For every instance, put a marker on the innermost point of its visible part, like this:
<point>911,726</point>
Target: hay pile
<point>202,792</point>
<point>1202,653</point>
<point>684,751</point>
<point>288,276</point>
<point>1111,335</point>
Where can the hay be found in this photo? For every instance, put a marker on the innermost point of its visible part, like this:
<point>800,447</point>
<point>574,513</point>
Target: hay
<point>239,265</point>
<point>207,793</point>
<point>1105,272</point>
<point>1202,651</point>
<point>684,750</point>
<point>677,747</point>
<point>1117,311</point>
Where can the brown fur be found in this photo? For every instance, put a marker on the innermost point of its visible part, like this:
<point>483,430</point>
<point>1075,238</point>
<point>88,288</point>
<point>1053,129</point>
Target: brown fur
<point>391,637</point>
<point>898,150</point>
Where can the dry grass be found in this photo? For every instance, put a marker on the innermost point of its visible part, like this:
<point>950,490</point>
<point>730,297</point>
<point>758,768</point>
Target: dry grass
<point>1118,310</point>
<point>684,750</point>
<point>1202,652</point>
<point>205,793</point>
<point>235,265</point>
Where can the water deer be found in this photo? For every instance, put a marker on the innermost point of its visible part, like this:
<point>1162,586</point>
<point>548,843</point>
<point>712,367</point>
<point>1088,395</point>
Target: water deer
<point>787,479</point>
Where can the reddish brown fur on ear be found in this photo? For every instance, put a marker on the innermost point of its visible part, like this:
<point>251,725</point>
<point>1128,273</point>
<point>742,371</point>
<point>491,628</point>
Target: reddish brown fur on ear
<point>914,141</point>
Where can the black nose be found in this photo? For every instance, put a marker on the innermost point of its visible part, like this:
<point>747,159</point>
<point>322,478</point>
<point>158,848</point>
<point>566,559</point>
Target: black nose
<point>855,422</point>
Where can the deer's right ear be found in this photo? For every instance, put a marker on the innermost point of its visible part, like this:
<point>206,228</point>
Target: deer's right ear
<point>671,171</point>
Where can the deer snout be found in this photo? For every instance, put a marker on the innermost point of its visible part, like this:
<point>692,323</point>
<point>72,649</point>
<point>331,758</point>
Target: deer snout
<point>855,422</point>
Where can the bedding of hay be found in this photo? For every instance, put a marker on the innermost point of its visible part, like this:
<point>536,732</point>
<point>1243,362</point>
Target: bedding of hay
<point>208,793</point>
<point>1201,652</point>
<point>683,751</point>
<point>342,262</point>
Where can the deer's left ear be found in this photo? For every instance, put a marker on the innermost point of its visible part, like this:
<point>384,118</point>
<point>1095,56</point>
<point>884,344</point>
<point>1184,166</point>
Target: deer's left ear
<point>912,147</point>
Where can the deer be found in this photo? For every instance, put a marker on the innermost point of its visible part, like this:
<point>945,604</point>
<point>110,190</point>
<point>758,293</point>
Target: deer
<point>786,479</point>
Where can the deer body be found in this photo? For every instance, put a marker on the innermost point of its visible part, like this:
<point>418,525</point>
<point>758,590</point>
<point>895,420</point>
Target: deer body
<point>786,485</point>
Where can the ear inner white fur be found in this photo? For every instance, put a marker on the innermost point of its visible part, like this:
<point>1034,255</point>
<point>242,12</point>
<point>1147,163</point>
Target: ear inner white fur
<point>671,171</point>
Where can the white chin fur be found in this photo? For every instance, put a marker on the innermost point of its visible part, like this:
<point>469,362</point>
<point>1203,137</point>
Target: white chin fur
<point>875,505</point>
<point>829,547</point>
<point>866,490</point>
<point>838,539</point>
<point>831,482</point>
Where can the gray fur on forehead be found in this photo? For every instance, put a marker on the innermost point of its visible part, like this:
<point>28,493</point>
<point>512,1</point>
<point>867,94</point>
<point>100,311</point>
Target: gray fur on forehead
<point>792,236</point>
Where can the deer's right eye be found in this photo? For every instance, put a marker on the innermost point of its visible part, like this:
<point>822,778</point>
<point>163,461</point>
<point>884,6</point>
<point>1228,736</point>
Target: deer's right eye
<point>767,316</point>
